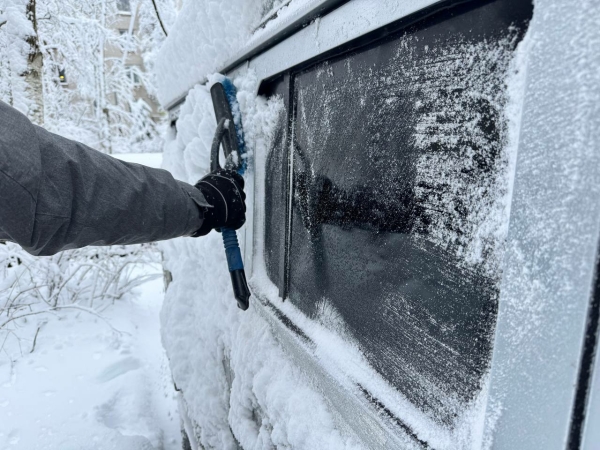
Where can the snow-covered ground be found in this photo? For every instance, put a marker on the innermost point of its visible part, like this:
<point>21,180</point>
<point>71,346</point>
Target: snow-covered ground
<point>93,383</point>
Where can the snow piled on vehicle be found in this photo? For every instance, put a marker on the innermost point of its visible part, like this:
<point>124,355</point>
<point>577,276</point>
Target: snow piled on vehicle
<point>205,35</point>
<point>210,32</point>
<point>240,387</point>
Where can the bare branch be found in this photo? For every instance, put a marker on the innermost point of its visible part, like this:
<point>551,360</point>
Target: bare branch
<point>35,337</point>
<point>93,313</point>
<point>21,316</point>
<point>63,307</point>
<point>162,25</point>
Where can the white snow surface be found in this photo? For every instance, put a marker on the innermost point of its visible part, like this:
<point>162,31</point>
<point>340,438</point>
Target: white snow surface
<point>205,35</point>
<point>92,383</point>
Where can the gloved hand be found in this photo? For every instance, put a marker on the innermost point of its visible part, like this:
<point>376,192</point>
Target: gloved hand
<point>224,190</point>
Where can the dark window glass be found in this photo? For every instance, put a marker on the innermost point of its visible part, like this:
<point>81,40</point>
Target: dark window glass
<point>276,189</point>
<point>133,74</point>
<point>123,5</point>
<point>399,168</point>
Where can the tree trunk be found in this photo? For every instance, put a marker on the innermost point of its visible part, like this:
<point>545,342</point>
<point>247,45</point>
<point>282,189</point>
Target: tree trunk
<point>103,109</point>
<point>33,76</point>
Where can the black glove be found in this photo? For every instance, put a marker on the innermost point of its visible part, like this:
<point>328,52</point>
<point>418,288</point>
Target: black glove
<point>224,190</point>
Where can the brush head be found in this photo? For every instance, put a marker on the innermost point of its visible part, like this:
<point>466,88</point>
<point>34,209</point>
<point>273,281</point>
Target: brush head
<point>226,106</point>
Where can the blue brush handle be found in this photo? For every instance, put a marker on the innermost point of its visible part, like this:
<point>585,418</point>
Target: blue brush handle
<point>232,249</point>
<point>232,137</point>
<point>236,267</point>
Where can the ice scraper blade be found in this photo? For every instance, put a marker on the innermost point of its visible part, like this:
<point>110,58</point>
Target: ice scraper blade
<point>230,134</point>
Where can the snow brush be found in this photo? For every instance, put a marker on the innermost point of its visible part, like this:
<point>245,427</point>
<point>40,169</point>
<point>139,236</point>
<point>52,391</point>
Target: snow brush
<point>231,135</point>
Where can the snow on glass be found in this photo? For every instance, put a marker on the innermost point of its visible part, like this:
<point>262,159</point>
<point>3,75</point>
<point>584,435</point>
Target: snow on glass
<point>463,176</point>
<point>465,189</point>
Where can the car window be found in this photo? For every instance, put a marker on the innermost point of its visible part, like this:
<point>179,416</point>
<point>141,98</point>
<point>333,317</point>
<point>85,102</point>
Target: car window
<point>400,176</point>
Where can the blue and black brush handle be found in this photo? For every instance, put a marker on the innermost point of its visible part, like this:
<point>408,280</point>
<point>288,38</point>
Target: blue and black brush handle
<point>230,134</point>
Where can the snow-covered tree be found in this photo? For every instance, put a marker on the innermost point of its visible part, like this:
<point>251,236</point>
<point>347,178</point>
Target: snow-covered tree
<point>65,65</point>
<point>86,280</point>
<point>20,58</point>
<point>100,85</point>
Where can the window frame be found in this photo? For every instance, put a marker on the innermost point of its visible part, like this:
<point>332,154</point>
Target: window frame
<point>132,74</point>
<point>124,12</point>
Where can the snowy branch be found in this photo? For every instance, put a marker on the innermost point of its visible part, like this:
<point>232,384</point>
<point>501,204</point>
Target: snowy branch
<point>87,280</point>
<point>93,313</point>
<point>36,336</point>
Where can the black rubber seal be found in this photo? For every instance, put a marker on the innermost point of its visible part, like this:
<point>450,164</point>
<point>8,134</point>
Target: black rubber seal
<point>590,349</point>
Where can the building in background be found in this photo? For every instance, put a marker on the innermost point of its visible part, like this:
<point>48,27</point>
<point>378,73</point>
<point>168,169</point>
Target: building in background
<point>127,25</point>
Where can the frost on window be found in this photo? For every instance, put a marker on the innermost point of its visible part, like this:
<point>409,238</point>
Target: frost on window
<point>400,179</point>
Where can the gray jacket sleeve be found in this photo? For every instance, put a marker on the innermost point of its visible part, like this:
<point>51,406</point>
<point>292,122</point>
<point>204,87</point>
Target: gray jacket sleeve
<point>57,194</point>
